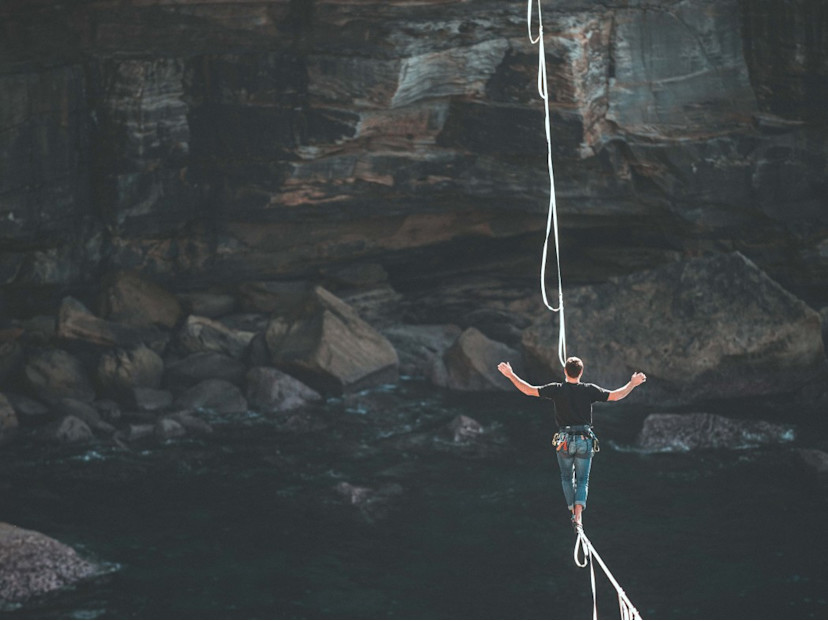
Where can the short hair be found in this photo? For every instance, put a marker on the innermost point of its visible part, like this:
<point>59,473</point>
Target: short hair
<point>574,367</point>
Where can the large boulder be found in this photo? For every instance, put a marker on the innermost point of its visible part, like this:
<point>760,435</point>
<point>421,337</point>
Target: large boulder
<point>53,374</point>
<point>130,298</point>
<point>121,370</point>
<point>200,334</point>
<point>76,322</point>
<point>708,328</point>
<point>270,390</point>
<point>328,346</point>
<point>471,363</point>
<point>684,432</point>
<point>70,430</point>
<point>420,346</point>
<point>32,564</point>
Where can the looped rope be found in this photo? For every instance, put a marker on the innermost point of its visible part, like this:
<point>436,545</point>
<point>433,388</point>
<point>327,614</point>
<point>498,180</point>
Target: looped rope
<point>552,217</point>
<point>584,545</point>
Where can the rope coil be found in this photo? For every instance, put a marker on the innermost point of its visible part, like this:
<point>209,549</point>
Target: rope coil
<point>552,216</point>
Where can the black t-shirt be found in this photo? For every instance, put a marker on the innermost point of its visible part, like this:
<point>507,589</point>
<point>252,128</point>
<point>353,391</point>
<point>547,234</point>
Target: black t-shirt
<point>573,401</point>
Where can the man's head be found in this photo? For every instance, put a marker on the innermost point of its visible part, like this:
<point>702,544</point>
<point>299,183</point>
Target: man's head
<point>574,367</point>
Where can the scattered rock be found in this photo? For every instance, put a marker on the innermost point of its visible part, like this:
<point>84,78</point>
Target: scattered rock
<point>53,374</point>
<point>471,363</point>
<point>200,334</point>
<point>85,412</point>
<point>217,395</point>
<point>201,366</point>
<point>32,564</point>
<point>130,298</point>
<point>418,346</point>
<point>684,432</point>
<point>330,348</point>
<point>270,390</point>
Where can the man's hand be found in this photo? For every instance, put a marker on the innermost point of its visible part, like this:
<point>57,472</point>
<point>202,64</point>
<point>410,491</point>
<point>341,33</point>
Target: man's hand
<point>506,369</point>
<point>638,378</point>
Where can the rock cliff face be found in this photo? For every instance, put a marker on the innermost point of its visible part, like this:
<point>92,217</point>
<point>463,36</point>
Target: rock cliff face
<point>208,142</point>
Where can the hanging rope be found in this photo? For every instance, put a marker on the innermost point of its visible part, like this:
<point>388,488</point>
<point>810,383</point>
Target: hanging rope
<point>582,544</point>
<point>552,216</point>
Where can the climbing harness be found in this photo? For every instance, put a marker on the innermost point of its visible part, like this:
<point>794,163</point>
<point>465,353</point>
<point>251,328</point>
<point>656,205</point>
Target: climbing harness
<point>552,216</point>
<point>628,611</point>
<point>584,553</point>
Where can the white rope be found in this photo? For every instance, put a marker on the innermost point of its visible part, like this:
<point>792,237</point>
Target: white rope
<point>552,217</point>
<point>582,543</point>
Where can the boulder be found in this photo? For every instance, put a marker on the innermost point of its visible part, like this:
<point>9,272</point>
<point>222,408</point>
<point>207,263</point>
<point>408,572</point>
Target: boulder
<point>53,374</point>
<point>122,370</point>
<point>8,420</point>
<point>32,564</point>
<point>151,399</point>
<point>205,304</point>
<point>684,432</point>
<point>326,345</point>
<point>200,366</point>
<point>129,298</point>
<point>471,363</point>
<point>200,334</point>
<point>135,432</point>
<point>76,322</point>
<point>270,390</point>
<point>216,395</point>
<point>71,430</point>
<point>418,346</point>
<point>709,328</point>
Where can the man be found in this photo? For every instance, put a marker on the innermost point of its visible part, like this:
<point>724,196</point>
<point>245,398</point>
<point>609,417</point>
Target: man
<point>575,442</point>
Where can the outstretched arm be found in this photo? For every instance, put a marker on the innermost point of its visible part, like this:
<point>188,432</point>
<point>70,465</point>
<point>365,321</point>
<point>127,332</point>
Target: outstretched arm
<point>521,385</point>
<point>636,380</point>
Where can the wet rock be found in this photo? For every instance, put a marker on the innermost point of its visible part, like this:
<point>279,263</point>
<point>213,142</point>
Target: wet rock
<point>684,432</point>
<point>418,346</point>
<point>76,322</point>
<point>327,346</point>
<point>216,395</point>
<point>33,564</point>
<point>270,390</point>
<point>122,370</point>
<point>200,334</point>
<point>136,432</point>
<point>167,428</point>
<point>8,420</point>
<point>372,503</point>
<point>464,429</point>
<point>471,363</point>
<point>708,328</point>
<point>195,368</point>
<point>205,304</point>
<point>53,374</point>
<point>132,299</point>
<point>71,430</point>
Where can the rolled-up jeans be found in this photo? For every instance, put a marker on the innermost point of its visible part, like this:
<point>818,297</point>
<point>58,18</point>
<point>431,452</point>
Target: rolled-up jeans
<point>575,462</point>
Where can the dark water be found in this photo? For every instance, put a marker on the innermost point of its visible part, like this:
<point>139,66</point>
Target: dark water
<point>246,523</point>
